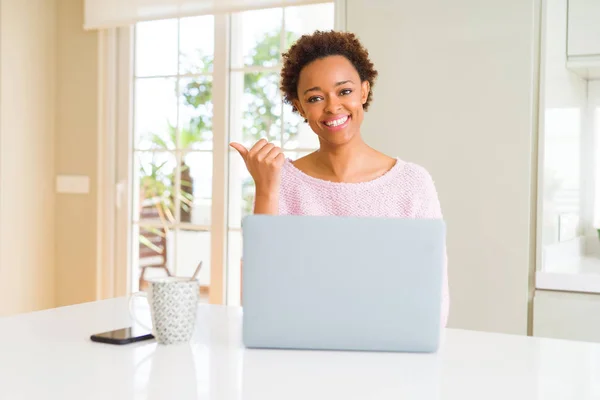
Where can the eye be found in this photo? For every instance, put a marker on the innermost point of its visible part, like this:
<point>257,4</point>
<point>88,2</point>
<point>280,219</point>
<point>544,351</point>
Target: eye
<point>313,99</point>
<point>346,92</point>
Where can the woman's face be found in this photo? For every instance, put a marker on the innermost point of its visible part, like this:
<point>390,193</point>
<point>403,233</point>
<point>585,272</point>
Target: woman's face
<point>331,98</point>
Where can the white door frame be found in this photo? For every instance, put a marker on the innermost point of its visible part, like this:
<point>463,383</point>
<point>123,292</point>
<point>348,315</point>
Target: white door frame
<point>115,65</point>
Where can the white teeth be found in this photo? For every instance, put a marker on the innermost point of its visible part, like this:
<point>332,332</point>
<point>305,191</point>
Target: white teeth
<point>337,121</point>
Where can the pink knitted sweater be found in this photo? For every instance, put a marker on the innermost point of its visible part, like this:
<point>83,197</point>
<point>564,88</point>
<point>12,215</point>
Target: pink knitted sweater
<point>405,191</point>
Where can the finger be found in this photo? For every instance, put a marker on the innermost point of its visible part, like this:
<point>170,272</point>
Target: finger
<point>240,149</point>
<point>275,151</point>
<point>257,146</point>
<point>279,160</point>
<point>262,153</point>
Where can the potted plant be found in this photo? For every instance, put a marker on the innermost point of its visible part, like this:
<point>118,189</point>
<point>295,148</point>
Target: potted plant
<point>188,137</point>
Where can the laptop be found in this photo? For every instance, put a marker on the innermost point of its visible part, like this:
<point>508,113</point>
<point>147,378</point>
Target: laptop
<point>342,283</point>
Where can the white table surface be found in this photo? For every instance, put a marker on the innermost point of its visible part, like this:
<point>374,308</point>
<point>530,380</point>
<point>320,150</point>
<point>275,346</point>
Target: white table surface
<point>48,355</point>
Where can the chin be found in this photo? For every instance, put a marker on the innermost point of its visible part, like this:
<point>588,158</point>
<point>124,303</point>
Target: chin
<point>337,139</point>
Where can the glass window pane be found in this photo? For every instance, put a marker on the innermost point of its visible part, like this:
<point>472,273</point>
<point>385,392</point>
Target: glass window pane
<point>301,20</point>
<point>195,113</point>
<point>197,42</point>
<point>155,116</point>
<point>297,134</point>
<point>196,188</point>
<point>156,48</point>
<point>259,33</point>
<point>562,161</point>
<point>241,190</point>
<point>255,109</point>
<point>152,254</point>
<point>192,247</point>
<point>155,171</point>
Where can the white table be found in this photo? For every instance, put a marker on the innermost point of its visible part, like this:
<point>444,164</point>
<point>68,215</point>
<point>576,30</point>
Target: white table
<point>48,355</point>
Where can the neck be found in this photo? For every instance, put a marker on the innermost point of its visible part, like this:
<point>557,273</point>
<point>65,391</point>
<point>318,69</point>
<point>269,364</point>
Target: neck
<point>343,161</point>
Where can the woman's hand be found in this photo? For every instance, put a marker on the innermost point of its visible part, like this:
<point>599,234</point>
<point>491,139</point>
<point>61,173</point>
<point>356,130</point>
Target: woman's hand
<point>264,161</point>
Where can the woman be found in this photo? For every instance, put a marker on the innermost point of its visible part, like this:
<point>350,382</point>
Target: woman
<point>328,78</point>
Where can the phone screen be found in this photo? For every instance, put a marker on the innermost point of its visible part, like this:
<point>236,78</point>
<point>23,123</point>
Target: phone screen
<point>122,336</point>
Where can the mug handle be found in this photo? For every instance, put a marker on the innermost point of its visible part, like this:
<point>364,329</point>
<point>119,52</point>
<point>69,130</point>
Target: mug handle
<point>132,312</point>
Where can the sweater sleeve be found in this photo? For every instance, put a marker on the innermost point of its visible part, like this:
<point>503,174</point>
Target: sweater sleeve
<point>430,208</point>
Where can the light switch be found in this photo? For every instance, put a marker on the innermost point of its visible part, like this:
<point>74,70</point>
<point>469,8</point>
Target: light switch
<point>79,184</point>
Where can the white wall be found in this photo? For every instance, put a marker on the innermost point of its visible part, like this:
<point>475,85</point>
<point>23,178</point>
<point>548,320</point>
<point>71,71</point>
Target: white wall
<point>27,97</point>
<point>456,94</point>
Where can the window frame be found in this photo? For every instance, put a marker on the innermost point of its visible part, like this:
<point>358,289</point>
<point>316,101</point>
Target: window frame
<point>219,160</point>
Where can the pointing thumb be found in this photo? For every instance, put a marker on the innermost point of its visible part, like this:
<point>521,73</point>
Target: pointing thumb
<point>240,149</point>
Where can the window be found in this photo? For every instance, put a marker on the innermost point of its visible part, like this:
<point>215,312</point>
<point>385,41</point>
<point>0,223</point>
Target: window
<point>562,170</point>
<point>172,146</point>
<point>172,151</point>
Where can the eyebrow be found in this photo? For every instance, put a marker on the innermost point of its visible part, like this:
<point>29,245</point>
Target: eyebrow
<point>313,89</point>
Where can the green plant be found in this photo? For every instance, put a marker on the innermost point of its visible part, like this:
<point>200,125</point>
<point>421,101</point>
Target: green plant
<point>263,112</point>
<point>155,190</point>
<point>187,138</point>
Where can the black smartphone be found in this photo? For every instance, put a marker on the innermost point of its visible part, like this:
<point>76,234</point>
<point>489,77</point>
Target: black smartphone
<point>122,336</point>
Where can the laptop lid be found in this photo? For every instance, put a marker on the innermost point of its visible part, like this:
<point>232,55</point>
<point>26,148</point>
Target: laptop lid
<point>342,283</point>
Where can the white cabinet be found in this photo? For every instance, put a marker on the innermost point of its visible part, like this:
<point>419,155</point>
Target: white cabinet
<point>562,315</point>
<point>583,28</point>
<point>583,38</point>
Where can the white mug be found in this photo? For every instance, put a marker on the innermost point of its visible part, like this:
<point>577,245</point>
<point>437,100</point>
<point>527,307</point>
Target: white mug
<point>173,304</point>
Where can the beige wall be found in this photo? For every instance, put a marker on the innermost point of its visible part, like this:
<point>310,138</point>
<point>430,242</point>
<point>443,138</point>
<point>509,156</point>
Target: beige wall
<point>27,121</point>
<point>457,94</point>
<point>76,154</point>
<point>48,127</point>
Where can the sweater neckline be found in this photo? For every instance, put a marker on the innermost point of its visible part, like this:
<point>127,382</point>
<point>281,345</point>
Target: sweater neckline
<point>385,177</point>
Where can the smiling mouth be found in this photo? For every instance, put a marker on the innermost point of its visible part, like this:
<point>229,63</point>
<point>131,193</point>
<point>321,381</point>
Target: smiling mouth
<point>337,122</point>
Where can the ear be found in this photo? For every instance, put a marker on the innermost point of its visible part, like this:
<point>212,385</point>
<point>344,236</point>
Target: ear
<point>298,106</point>
<point>365,89</point>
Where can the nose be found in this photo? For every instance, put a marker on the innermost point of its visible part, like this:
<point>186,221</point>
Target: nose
<point>333,104</point>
